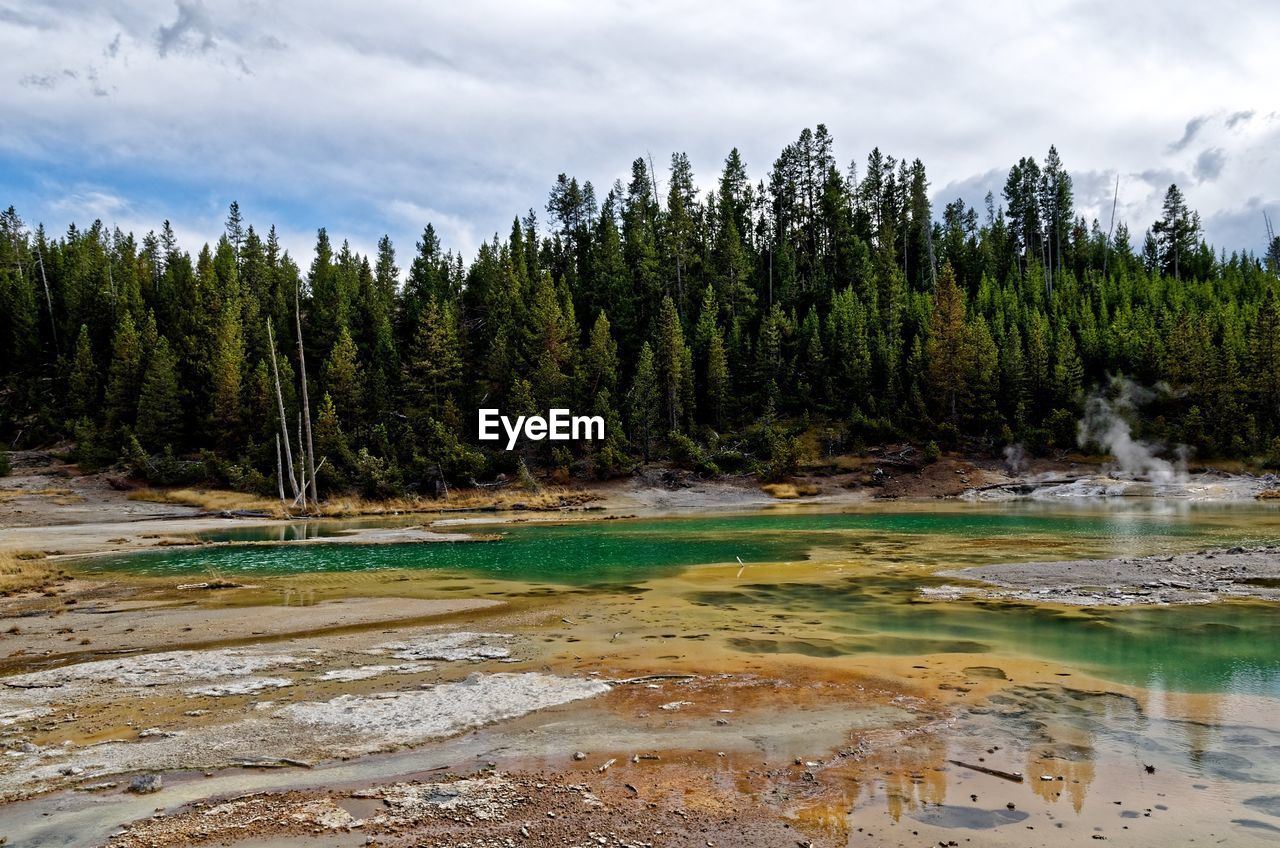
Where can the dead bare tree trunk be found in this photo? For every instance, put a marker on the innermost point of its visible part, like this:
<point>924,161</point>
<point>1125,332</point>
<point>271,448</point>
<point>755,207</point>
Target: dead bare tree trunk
<point>279,469</point>
<point>284,425</point>
<point>48,299</point>
<point>1115,198</point>
<point>302,496</point>
<point>302,490</point>
<point>306,403</point>
<point>933,262</point>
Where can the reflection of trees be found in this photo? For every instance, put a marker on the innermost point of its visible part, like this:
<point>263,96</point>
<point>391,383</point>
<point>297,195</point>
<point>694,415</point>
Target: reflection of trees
<point>1070,769</point>
<point>910,773</point>
<point>1055,735</point>
<point>1199,717</point>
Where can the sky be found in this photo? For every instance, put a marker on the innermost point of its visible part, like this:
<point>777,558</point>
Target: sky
<point>379,118</point>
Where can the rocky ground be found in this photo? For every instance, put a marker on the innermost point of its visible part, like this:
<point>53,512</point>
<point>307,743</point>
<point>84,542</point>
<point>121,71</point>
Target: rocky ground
<point>1200,577</point>
<point>308,698</point>
<point>487,810</point>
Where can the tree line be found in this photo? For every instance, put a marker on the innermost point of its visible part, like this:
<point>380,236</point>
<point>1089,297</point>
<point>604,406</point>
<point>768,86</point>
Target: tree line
<point>819,309</point>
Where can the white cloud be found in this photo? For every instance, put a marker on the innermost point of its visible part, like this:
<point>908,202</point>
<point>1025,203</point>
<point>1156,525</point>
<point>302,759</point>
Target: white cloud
<point>366,120</point>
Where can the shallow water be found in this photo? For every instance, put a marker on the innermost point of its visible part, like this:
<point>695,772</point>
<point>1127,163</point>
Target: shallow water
<point>1078,699</point>
<point>838,584</point>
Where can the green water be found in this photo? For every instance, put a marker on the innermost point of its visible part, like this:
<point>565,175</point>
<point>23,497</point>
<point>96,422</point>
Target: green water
<point>845,584</point>
<point>1232,647</point>
<point>587,552</point>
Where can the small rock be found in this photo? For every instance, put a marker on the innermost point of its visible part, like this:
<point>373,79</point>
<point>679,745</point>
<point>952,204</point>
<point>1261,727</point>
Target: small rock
<point>145,784</point>
<point>155,732</point>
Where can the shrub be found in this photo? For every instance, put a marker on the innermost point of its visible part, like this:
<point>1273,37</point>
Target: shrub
<point>686,454</point>
<point>730,460</point>
<point>865,430</point>
<point>172,471</point>
<point>91,452</point>
<point>784,455</point>
<point>527,481</point>
<point>948,435</point>
<point>376,477</point>
<point>609,461</point>
<point>932,453</point>
<point>1061,429</point>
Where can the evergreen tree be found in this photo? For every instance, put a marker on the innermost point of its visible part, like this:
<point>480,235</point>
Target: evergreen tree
<point>643,403</point>
<point>82,384</point>
<point>341,375</point>
<point>228,366</point>
<point>717,392</point>
<point>433,368</point>
<point>1068,371</point>
<point>125,374</point>
<point>550,349</point>
<point>1265,360</point>
<point>670,357</point>
<point>984,378</point>
<point>1176,233</point>
<point>159,402</point>
<point>599,370</point>
<point>807,296</point>
<point>949,350</point>
<point>331,443</point>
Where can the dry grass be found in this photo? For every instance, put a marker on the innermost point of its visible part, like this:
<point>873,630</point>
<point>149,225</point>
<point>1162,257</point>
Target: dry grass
<point>24,571</point>
<point>57,494</point>
<point>211,500</point>
<point>789,491</point>
<point>218,500</point>
<point>847,462</point>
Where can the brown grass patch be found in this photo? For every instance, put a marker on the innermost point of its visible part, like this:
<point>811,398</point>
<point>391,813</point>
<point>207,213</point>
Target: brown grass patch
<point>57,494</point>
<point>25,571</point>
<point>211,500</point>
<point>847,462</point>
<point>789,491</point>
<point>218,500</point>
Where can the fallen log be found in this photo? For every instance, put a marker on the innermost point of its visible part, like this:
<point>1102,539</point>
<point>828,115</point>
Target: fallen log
<point>648,678</point>
<point>270,762</point>
<point>1012,776</point>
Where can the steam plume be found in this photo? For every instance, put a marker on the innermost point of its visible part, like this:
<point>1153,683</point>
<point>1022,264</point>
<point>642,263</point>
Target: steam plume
<point>1106,423</point>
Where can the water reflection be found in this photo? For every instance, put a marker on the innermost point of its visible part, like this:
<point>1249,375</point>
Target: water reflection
<point>1021,755</point>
